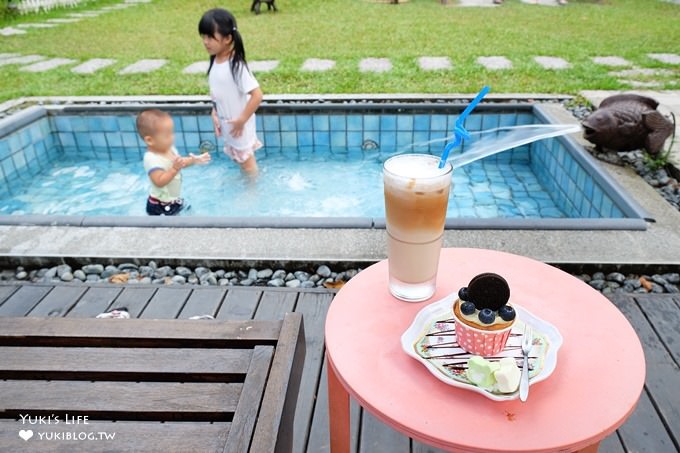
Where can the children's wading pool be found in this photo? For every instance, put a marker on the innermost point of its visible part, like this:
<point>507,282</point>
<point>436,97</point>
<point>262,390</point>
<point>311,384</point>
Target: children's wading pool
<point>321,165</point>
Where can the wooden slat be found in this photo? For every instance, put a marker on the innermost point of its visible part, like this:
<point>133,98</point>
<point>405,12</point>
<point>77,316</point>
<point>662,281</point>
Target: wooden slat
<point>134,299</point>
<point>240,303</point>
<point>319,441</point>
<point>20,362</point>
<point>664,316</point>
<point>6,291</point>
<point>418,447</point>
<point>121,400</point>
<point>274,430</point>
<point>243,424</point>
<point>166,303</point>
<point>136,436</point>
<point>58,301</point>
<point>644,430</point>
<point>313,306</point>
<point>280,398</point>
<point>611,444</point>
<point>23,300</point>
<point>663,374</point>
<point>96,300</point>
<point>135,332</point>
<point>203,301</point>
<point>275,304</point>
<point>376,436</point>
<point>317,438</point>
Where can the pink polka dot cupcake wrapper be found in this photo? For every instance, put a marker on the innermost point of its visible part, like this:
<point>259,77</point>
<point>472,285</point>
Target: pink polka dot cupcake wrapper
<point>481,342</point>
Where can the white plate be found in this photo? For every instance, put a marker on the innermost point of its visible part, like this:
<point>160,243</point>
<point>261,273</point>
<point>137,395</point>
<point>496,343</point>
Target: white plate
<point>437,318</point>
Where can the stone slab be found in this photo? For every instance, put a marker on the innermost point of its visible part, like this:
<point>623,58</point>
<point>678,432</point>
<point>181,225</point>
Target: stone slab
<point>317,65</point>
<point>263,65</point>
<point>668,58</point>
<point>641,84</point>
<point>37,25</point>
<point>434,63</point>
<point>47,65</point>
<point>375,65</point>
<point>10,31</point>
<point>641,72</point>
<point>611,60</point>
<point>552,62</point>
<point>117,7</point>
<point>495,63</point>
<point>26,59</point>
<point>93,65</point>
<point>475,3</point>
<point>63,21</point>
<point>541,2</point>
<point>84,14</point>
<point>143,66</point>
<point>200,67</point>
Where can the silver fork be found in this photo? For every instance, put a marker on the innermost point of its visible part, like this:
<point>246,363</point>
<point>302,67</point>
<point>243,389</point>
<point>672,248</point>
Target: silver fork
<point>527,340</point>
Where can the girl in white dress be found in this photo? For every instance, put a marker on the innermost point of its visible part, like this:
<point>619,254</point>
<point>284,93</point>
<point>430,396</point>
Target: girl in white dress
<point>234,91</point>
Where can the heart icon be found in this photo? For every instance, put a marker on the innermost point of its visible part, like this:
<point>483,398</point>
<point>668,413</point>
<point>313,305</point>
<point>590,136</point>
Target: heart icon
<point>26,434</point>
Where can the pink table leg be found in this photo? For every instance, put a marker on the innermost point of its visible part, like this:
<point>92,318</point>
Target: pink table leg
<point>338,413</point>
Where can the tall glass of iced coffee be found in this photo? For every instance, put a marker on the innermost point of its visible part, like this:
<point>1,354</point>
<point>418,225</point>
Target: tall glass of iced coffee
<point>416,197</point>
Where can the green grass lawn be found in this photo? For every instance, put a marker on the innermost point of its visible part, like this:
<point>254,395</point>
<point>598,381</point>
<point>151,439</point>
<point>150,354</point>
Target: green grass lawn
<point>347,31</point>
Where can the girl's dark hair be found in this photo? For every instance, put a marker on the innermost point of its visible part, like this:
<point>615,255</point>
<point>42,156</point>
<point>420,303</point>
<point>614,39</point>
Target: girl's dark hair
<point>221,21</point>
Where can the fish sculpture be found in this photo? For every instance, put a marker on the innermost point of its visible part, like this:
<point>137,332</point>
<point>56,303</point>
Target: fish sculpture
<point>626,122</point>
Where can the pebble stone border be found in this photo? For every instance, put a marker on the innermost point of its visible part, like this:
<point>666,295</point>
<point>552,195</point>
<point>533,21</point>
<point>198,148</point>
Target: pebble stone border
<point>152,273</point>
<point>616,282</point>
<point>660,179</point>
<point>322,276</point>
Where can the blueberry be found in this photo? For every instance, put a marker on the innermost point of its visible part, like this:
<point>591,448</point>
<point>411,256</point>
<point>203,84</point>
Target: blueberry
<point>467,308</point>
<point>463,293</point>
<point>487,316</point>
<point>507,313</point>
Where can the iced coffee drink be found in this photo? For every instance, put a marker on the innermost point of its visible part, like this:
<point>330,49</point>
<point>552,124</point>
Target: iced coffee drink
<point>416,197</point>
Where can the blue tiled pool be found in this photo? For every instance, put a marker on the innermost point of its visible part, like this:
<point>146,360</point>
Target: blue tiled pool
<point>323,164</point>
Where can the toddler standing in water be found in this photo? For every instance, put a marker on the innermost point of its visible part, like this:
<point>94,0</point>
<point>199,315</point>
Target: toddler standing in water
<point>162,162</point>
<point>234,91</point>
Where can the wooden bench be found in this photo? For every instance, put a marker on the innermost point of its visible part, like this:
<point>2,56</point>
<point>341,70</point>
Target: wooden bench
<point>156,385</point>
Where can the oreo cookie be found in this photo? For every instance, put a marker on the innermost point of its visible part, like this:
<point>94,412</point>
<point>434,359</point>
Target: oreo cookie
<point>488,290</point>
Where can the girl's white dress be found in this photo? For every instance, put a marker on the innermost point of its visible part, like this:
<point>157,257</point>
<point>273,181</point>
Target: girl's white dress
<point>230,96</point>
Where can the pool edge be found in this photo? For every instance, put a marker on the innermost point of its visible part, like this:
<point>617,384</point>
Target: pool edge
<point>316,222</point>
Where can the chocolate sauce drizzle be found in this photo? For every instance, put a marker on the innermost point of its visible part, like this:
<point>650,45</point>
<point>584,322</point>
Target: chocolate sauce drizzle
<point>457,363</point>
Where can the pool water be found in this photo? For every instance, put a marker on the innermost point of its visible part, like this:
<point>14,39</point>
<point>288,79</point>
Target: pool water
<point>318,161</point>
<point>316,185</point>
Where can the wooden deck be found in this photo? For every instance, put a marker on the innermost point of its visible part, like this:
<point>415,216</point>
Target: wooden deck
<point>654,426</point>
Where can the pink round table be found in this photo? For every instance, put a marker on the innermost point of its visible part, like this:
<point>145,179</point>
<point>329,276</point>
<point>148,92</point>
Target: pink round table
<point>598,379</point>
